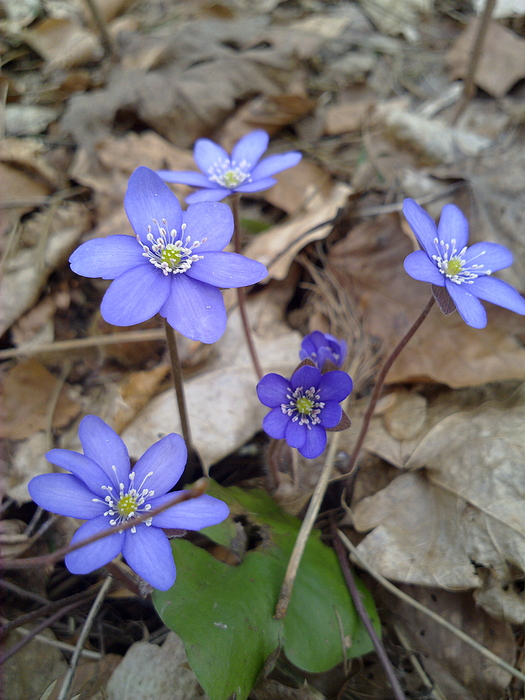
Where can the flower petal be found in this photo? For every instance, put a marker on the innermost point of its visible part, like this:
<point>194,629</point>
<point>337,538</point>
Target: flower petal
<point>107,257</point>
<point>212,195</point>
<point>491,256</point>
<point>186,177</point>
<point>248,150</point>
<point>335,386</point>
<point>148,552</point>
<point>102,444</point>
<point>135,296</point>
<point>421,224</point>
<point>469,307</point>
<point>263,184</point>
<point>195,309</point>
<point>190,515</point>
<point>331,414</point>
<point>148,198</point>
<point>227,270</point>
<point>498,292</point>
<point>275,423</point>
<point>211,221</point>
<point>295,434</point>
<point>306,377</point>
<point>96,554</point>
<point>166,459</point>
<point>453,225</point>
<point>85,469</point>
<point>66,495</point>
<point>276,164</point>
<point>419,266</point>
<point>315,442</point>
<point>272,390</point>
<point>208,154</point>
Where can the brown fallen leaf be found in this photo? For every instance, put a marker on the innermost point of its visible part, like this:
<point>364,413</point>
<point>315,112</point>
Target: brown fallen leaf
<point>15,186</point>
<point>296,186</point>
<point>348,116</point>
<point>63,43</point>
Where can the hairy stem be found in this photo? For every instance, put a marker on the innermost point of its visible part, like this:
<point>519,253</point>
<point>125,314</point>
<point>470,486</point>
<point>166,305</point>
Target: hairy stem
<point>178,383</point>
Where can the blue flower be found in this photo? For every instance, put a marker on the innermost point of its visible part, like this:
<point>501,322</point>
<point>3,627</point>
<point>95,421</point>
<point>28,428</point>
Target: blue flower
<point>102,490</point>
<point>321,347</point>
<point>222,175</point>
<point>447,261</point>
<point>173,266</point>
<point>303,407</point>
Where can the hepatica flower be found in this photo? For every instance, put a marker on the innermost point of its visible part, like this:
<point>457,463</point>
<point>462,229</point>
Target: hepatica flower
<point>174,265</point>
<point>320,347</point>
<point>303,407</point>
<point>465,272</point>
<point>223,174</point>
<point>102,490</point>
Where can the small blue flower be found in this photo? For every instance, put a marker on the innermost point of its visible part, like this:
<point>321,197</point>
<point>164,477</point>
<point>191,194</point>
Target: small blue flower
<point>320,347</point>
<point>222,175</point>
<point>173,266</point>
<point>303,407</point>
<point>102,490</point>
<point>447,261</point>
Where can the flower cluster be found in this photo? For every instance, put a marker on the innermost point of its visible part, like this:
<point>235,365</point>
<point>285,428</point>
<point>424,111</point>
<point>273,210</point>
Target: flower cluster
<point>321,348</point>
<point>223,175</point>
<point>304,407</point>
<point>103,490</point>
<point>446,261</point>
<point>173,266</point>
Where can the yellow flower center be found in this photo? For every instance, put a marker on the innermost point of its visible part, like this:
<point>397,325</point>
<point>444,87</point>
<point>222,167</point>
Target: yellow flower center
<point>304,405</point>
<point>127,505</point>
<point>231,179</point>
<point>171,255</point>
<point>453,267</point>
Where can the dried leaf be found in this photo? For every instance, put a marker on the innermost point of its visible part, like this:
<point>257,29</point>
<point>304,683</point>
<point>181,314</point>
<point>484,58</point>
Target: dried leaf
<point>63,43</point>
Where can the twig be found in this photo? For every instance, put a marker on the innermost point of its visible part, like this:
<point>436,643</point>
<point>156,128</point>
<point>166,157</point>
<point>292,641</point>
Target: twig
<point>437,618</point>
<point>82,638</point>
<point>107,40</point>
<point>178,383</point>
<point>363,614</point>
<point>434,693</point>
<point>58,645</point>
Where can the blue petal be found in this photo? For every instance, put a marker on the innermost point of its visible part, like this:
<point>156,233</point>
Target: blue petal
<point>469,307</point>
<point>148,552</point>
<point>136,296</point>
<point>331,414</point>
<point>166,459</point>
<point>250,148</point>
<point>212,195</point>
<point>208,155</point>
<point>275,164</point>
<point>96,554</point>
<point>107,257</point>
<point>306,377</point>
<point>420,267</point>
<point>85,469</point>
<point>190,515</point>
<point>453,225</point>
<point>211,221</point>
<point>148,198</point>
<point>272,390</point>
<point>102,444</point>
<point>498,292</point>
<point>258,186</point>
<point>227,270</point>
<point>66,495</point>
<point>295,434</point>
<point>335,386</point>
<point>421,224</point>
<point>275,423</point>
<point>186,177</point>
<point>195,309</point>
<point>491,256</point>
<point>315,442</point>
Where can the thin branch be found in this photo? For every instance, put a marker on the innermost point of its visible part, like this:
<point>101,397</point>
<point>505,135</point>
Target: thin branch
<point>178,383</point>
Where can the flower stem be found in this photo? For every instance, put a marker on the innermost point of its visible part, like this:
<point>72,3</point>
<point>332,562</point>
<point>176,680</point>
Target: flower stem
<point>352,471</point>
<point>234,201</point>
<point>178,383</point>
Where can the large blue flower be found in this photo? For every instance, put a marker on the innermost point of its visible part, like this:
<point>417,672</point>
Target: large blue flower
<point>322,347</point>
<point>174,266</point>
<point>447,261</point>
<point>102,490</point>
<point>304,406</point>
<point>242,172</point>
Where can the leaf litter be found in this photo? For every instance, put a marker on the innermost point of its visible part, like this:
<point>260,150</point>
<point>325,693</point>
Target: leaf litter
<point>438,503</point>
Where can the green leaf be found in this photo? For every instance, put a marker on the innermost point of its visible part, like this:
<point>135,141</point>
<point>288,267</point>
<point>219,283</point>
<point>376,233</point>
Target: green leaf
<point>224,614</point>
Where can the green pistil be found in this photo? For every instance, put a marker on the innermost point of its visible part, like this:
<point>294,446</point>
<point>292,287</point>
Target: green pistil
<point>171,255</point>
<point>230,179</point>
<point>127,505</point>
<point>304,405</point>
<point>453,267</point>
